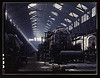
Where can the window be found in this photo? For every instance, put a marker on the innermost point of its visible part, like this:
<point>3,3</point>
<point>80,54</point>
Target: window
<point>31,5</point>
<point>61,3</point>
<point>53,19</point>
<point>93,11</point>
<point>47,27</point>
<point>87,17</point>
<point>34,20</point>
<point>73,14</point>
<point>50,21</point>
<point>3,66</point>
<point>84,7</point>
<point>11,20</point>
<point>14,24</point>
<point>34,24</point>
<point>34,27</point>
<point>81,6</point>
<point>32,12</point>
<point>49,16</point>
<point>57,6</point>
<point>70,27</point>
<point>68,20</point>
<point>84,18</point>
<point>63,24</point>
<point>48,24</point>
<point>71,24</point>
<point>55,13</point>
<point>76,23</point>
<point>67,28</point>
<point>3,55</point>
<point>31,39</point>
<point>6,14</point>
<point>33,17</point>
<point>80,10</point>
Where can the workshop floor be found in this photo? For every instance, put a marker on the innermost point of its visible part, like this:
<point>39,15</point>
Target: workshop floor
<point>33,65</point>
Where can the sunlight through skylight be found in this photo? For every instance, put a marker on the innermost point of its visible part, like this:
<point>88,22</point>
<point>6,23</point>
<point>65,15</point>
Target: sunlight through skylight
<point>57,6</point>
<point>31,5</point>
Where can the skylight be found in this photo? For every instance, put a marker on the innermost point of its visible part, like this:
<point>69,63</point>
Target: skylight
<point>57,6</point>
<point>50,21</point>
<point>61,3</point>
<point>80,10</point>
<point>31,39</point>
<point>34,29</point>
<point>66,27</point>
<point>34,20</point>
<point>63,24</point>
<point>84,7</point>
<point>73,14</point>
<point>11,20</point>
<point>50,16</point>
<point>34,24</point>
<point>48,24</point>
<point>81,6</point>
<point>55,13</point>
<point>88,12</point>
<point>32,12</point>
<point>53,19</point>
<point>33,17</point>
<point>70,27</point>
<point>6,14</point>
<point>47,27</point>
<point>31,5</point>
<point>46,30</point>
<point>14,24</point>
<point>67,20</point>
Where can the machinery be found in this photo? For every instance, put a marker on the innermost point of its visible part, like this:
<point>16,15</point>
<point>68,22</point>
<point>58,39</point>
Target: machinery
<point>59,48</point>
<point>89,47</point>
<point>13,52</point>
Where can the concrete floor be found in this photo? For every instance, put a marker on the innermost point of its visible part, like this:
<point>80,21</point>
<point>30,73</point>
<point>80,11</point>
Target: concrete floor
<point>33,65</point>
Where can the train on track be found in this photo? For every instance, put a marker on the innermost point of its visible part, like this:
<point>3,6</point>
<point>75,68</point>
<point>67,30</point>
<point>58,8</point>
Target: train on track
<point>59,47</point>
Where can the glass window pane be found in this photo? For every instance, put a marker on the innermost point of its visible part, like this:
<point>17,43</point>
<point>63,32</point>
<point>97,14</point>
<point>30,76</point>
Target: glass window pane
<point>93,11</point>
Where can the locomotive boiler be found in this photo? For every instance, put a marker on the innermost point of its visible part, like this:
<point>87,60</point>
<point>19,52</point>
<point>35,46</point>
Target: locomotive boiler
<point>59,46</point>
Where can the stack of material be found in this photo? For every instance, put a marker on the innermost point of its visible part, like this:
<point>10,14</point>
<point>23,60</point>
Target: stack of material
<point>55,67</point>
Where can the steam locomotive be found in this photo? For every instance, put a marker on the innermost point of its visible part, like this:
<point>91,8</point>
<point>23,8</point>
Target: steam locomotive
<point>58,47</point>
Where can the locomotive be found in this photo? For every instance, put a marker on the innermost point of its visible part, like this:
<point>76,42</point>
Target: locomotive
<point>58,47</point>
<point>89,47</point>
